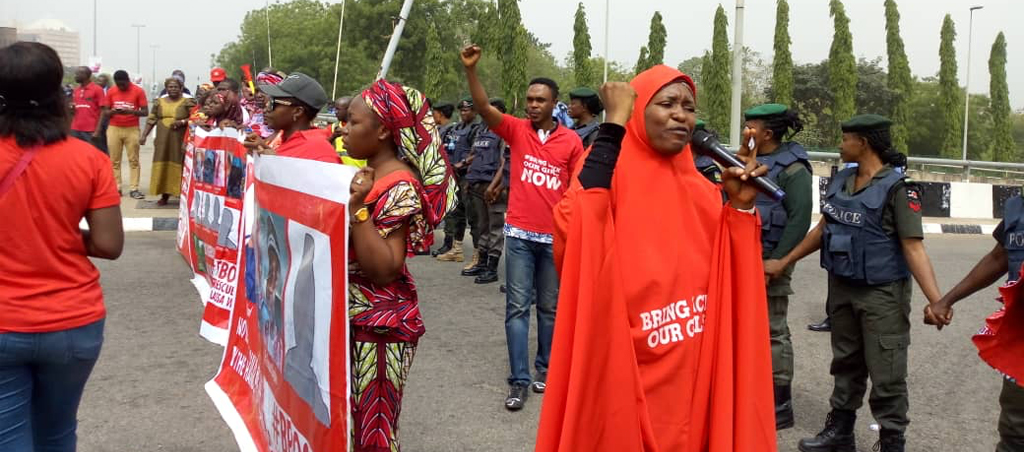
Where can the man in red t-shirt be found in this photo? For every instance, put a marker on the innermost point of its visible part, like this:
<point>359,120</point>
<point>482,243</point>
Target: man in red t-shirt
<point>543,157</point>
<point>293,105</point>
<point>124,105</point>
<point>86,99</point>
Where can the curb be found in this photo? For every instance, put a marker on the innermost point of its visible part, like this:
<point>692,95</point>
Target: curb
<point>171,224</point>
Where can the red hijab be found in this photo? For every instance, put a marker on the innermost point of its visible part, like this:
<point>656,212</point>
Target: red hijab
<point>651,350</point>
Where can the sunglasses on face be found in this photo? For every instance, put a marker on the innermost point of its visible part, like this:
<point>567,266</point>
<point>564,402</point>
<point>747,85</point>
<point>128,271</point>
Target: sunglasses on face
<point>273,102</point>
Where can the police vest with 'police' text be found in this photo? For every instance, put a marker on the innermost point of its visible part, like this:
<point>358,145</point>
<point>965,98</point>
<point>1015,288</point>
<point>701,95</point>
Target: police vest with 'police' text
<point>1013,240</point>
<point>773,214</point>
<point>854,244</point>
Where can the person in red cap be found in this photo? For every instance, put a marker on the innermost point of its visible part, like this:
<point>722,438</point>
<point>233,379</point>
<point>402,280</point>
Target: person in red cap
<point>217,75</point>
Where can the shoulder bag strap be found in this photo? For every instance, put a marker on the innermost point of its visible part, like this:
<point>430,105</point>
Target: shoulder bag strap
<point>8,181</point>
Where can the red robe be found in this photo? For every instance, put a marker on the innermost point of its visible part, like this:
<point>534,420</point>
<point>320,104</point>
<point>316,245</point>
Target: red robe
<point>661,341</point>
<point>1001,341</point>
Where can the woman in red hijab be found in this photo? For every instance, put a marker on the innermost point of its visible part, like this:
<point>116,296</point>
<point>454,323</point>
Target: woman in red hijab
<point>661,342</point>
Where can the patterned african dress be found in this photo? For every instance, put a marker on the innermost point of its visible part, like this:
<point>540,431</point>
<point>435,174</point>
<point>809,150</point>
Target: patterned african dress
<point>169,144</point>
<point>386,321</point>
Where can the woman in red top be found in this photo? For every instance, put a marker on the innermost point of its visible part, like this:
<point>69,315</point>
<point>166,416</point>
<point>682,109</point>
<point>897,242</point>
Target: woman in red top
<point>397,199</point>
<point>51,303</point>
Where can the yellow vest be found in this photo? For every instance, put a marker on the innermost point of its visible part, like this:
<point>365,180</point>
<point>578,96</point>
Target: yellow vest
<point>339,147</point>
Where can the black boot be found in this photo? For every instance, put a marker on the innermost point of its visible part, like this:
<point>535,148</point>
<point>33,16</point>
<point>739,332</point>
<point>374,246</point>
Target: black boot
<point>479,268</point>
<point>783,408</point>
<point>890,441</point>
<point>444,248</point>
<point>837,436</point>
<point>824,326</point>
<point>490,273</point>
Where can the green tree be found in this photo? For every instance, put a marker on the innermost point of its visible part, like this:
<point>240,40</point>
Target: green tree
<point>513,56</point>
<point>717,75</point>
<point>1003,147</point>
<point>842,69</point>
<point>437,72</point>
<point>581,49</point>
<point>782,67</point>
<point>952,101</point>
<point>900,81</point>
<point>641,61</point>
<point>653,53</point>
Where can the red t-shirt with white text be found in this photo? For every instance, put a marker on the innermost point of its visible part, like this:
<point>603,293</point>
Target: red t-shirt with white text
<point>87,101</point>
<point>539,172</point>
<point>133,98</point>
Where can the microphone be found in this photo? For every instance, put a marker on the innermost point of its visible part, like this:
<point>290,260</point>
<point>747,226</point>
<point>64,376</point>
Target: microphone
<point>706,144</point>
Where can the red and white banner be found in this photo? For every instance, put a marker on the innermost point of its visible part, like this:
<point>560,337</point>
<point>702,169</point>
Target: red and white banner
<point>184,238</point>
<point>283,384</point>
<point>216,163</point>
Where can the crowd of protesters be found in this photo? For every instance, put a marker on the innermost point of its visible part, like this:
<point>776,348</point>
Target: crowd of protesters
<point>562,194</point>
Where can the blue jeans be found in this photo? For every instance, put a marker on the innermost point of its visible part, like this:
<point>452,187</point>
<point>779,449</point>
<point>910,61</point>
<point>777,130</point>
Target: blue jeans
<point>42,376</point>
<point>531,279</point>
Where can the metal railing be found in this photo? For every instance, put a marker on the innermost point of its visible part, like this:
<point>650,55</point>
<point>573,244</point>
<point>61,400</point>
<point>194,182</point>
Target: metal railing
<point>947,166</point>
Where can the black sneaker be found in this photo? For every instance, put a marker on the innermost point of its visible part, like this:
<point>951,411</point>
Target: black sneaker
<point>135,194</point>
<point>540,383</point>
<point>517,395</point>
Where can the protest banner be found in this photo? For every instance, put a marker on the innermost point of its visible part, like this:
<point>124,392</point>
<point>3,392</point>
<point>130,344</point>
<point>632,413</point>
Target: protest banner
<point>218,167</point>
<point>283,383</point>
<point>184,237</point>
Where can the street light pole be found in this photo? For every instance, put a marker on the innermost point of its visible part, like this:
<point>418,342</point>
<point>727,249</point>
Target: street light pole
<point>607,14</point>
<point>737,77</point>
<point>138,47</point>
<point>967,89</point>
<point>153,82</point>
<point>94,51</point>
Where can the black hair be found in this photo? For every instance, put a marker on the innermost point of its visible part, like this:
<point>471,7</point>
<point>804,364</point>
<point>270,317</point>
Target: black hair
<point>593,104</point>
<point>87,69</point>
<point>231,83</point>
<point>120,75</point>
<point>32,101</point>
<point>880,141</point>
<point>548,83</point>
<point>310,111</point>
<point>446,110</point>
<point>782,123</point>
<point>499,104</point>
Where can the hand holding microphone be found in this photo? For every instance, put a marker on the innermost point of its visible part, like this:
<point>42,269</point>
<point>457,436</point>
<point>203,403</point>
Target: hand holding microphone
<point>738,170</point>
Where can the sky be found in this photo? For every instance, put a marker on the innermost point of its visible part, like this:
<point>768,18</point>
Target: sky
<point>187,44</point>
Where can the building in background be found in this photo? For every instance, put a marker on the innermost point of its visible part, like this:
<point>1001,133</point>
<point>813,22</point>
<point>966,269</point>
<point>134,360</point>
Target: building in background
<point>8,36</point>
<point>56,34</point>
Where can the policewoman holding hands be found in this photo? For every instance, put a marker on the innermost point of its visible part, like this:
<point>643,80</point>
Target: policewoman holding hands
<point>871,241</point>
<point>783,225</point>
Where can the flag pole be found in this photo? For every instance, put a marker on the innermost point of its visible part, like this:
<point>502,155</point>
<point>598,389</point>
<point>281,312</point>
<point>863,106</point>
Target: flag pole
<point>337,54</point>
<point>395,36</point>
<point>270,56</point>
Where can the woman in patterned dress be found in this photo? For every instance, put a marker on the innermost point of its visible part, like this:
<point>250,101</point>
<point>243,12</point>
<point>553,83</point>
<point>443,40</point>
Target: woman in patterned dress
<point>397,199</point>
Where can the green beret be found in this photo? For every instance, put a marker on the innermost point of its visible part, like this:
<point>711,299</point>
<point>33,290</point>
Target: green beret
<point>701,125</point>
<point>582,93</point>
<point>764,111</point>
<point>466,102</point>
<point>866,123</point>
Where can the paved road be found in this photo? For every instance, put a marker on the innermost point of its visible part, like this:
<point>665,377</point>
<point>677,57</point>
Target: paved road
<point>146,393</point>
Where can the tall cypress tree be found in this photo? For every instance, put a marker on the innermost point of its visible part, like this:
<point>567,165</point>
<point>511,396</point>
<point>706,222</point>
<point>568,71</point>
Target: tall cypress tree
<point>718,86</point>
<point>782,68</point>
<point>581,49</point>
<point>514,47</point>
<point>842,69</point>
<point>900,81</point>
<point>951,101</point>
<point>435,72</point>
<point>1003,146</point>
<point>654,52</point>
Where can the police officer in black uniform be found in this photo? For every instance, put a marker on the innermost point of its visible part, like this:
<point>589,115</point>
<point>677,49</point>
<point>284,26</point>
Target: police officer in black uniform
<point>487,158</point>
<point>1005,258</point>
<point>459,145</point>
<point>783,225</point>
<point>585,108</point>
<point>871,241</point>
